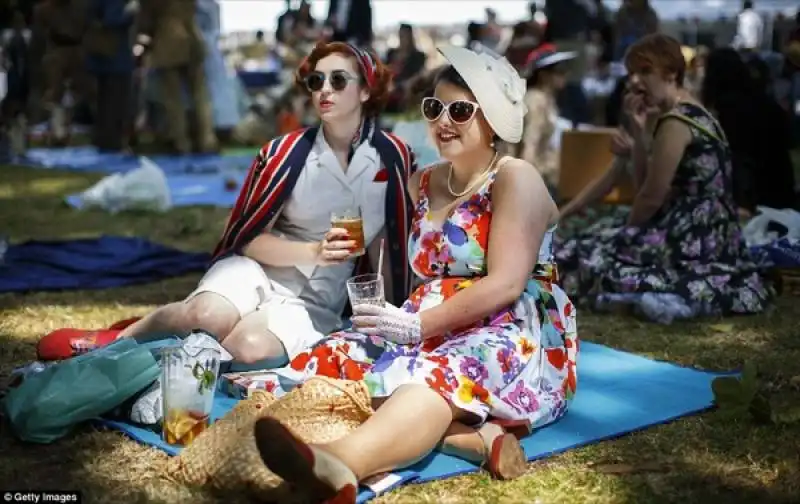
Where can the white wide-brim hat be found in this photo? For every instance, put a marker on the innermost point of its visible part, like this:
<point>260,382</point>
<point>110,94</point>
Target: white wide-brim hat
<point>497,86</point>
<point>546,56</point>
<point>555,59</point>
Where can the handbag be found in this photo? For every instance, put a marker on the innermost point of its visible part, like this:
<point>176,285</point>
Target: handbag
<point>47,405</point>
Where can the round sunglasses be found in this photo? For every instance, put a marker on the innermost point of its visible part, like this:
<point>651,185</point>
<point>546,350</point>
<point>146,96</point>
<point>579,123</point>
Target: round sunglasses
<point>338,79</point>
<point>459,111</point>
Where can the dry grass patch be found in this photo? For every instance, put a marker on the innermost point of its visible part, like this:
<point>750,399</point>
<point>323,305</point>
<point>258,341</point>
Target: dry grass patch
<point>698,459</point>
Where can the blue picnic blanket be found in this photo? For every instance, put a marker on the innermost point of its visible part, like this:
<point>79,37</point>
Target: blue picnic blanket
<point>94,263</point>
<point>618,393</point>
<point>89,159</point>
<point>781,253</point>
<point>213,180</point>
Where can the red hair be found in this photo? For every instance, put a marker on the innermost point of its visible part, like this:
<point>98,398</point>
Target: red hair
<point>657,52</point>
<point>382,78</point>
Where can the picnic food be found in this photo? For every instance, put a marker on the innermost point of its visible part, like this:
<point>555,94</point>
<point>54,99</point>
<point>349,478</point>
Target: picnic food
<point>181,426</point>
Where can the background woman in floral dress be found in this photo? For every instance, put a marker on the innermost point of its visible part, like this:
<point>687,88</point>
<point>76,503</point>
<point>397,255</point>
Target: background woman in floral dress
<point>681,253</point>
<point>482,338</point>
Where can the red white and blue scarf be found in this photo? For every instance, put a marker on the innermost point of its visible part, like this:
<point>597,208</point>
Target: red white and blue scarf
<point>275,171</point>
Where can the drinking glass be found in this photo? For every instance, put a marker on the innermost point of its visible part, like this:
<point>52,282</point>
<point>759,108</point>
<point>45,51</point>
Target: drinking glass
<point>366,289</point>
<point>188,384</point>
<point>350,219</point>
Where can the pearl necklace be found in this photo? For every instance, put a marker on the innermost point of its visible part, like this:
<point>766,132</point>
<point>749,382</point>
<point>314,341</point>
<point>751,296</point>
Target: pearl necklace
<point>471,186</point>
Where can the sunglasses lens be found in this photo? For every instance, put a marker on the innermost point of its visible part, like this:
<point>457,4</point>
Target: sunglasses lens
<point>338,81</point>
<point>461,111</point>
<point>314,81</point>
<point>432,109</point>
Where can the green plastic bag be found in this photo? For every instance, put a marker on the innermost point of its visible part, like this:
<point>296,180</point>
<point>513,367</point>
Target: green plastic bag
<point>46,406</point>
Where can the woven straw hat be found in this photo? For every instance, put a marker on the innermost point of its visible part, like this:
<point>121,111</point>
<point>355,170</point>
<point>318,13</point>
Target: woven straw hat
<point>225,456</point>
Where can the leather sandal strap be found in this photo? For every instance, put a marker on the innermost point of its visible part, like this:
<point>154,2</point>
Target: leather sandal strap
<point>488,433</point>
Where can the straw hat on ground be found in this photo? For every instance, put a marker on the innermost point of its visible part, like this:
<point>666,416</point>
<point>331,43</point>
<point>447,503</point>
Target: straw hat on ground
<point>225,457</point>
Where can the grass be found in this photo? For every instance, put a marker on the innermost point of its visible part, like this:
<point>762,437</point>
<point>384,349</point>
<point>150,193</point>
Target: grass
<point>697,459</point>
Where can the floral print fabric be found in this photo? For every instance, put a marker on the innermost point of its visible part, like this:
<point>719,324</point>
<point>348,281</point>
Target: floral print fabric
<point>691,250</point>
<point>518,364</point>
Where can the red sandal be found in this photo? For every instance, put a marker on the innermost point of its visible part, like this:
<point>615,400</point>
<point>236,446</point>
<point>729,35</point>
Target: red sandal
<point>520,428</point>
<point>504,457</point>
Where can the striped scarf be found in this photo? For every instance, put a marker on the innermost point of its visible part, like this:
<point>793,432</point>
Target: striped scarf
<point>365,132</point>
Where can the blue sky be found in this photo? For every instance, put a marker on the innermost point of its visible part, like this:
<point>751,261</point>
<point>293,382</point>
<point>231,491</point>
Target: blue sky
<point>250,15</point>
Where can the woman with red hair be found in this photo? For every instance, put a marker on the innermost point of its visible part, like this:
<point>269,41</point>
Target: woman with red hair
<point>277,282</point>
<point>681,253</point>
<point>486,341</point>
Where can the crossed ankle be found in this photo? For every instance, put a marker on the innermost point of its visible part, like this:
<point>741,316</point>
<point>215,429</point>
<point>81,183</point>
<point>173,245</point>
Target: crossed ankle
<point>352,466</point>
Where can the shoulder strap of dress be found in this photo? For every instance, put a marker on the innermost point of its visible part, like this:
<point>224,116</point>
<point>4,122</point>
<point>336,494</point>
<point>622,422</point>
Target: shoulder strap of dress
<point>500,164</point>
<point>425,180</point>
<point>488,183</point>
<point>696,124</point>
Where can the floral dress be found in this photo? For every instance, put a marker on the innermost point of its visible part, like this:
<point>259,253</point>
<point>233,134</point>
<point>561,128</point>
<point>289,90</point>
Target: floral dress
<point>690,258</point>
<point>518,364</point>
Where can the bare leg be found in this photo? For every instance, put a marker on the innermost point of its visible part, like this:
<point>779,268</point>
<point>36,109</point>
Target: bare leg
<point>250,341</point>
<point>208,311</point>
<point>373,447</point>
<point>167,317</point>
<point>247,339</point>
<point>415,414</point>
<point>463,442</point>
<point>332,471</point>
<point>490,446</point>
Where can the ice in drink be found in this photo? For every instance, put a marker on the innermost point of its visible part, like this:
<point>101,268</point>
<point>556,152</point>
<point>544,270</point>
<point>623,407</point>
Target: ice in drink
<point>188,382</point>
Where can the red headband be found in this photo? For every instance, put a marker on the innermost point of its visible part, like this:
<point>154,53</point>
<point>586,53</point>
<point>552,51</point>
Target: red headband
<point>366,63</point>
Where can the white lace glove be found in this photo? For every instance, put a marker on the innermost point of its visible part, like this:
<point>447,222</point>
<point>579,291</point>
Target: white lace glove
<point>389,322</point>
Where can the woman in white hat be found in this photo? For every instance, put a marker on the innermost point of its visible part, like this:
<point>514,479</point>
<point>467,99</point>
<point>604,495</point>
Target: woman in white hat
<point>488,334</point>
<point>546,71</point>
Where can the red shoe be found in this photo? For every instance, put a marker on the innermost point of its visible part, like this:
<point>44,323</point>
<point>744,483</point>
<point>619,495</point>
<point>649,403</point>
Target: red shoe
<point>322,476</point>
<point>66,343</point>
<point>122,324</point>
<point>520,428</point>
<point>505,458</point>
